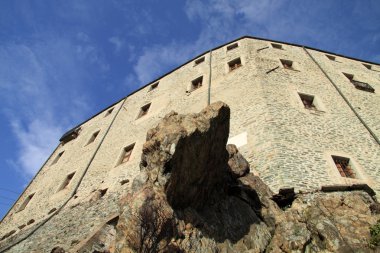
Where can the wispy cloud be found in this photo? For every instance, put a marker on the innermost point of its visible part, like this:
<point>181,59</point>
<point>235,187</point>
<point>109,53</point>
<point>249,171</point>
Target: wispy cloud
<point>86,50</point>
<point>43,69</point>
<point>153,60</point>
<point>220,21</point>
<point>37,140</point>
<point>32,77</point>
<point>117,43</point>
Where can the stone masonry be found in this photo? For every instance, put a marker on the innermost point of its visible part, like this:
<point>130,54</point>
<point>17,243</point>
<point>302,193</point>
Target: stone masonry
<point>286,144</point>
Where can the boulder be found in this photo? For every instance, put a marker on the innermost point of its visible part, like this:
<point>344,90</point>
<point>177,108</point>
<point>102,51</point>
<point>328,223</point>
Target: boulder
<point>237,164</point>
<point>195,194</point>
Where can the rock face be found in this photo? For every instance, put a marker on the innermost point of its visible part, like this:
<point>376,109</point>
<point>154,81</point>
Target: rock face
<point>195,194</point>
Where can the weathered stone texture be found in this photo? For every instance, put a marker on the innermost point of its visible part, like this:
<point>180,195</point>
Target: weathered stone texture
<point>287,145</point>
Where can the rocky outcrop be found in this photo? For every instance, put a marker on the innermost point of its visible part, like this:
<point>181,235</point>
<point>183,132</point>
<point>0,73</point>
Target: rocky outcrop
<point>194,194</point>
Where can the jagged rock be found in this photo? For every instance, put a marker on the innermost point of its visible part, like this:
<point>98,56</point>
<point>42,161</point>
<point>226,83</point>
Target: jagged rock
<point>238,165</point>
<point>194,194</point>
<point>186,172</point>
<point>259,195</point>
<point>186,155</point>
<point>375,208</point>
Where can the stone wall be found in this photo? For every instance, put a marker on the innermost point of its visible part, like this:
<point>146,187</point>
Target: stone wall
<point>287,145</point>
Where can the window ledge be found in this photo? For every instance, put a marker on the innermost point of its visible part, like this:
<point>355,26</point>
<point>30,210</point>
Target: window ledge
<point>316,112</point>
<point>296,70</point>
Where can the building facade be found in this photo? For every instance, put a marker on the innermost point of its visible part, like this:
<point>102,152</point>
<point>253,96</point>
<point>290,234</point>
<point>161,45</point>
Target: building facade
<point>302,117</point>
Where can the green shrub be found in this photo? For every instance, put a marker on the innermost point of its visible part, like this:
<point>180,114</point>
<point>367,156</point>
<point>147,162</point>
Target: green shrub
<point>375,234</point>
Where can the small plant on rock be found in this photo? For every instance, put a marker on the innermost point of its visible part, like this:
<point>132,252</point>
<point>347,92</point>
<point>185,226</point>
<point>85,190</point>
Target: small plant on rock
<point>375,234</point>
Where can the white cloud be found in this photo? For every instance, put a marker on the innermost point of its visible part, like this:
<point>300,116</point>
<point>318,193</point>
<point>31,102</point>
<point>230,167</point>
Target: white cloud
<point>117,42</point>
<point>153,60</point>
<point>195,9</point>
<point>258,11</point>
<point>90,53</point>
<point>82,36</point>
<point>36,82</point>
<point>159,59</point>
<point>36,141</point>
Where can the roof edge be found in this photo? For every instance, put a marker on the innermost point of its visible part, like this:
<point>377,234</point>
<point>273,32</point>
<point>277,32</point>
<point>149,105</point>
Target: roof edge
<point>215,48</point>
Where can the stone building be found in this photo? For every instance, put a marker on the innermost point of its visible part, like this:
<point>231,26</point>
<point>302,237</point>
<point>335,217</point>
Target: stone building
<point>303,118</point>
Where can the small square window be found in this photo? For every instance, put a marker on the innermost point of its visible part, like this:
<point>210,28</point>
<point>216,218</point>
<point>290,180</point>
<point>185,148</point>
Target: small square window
<point>232,46</point>
<point>330,57</point>
<point>126,154</point>
<point>276,46</point>
<point>199,61</point>
<point>234,64</point>
<point>56,159</point>
<point>308,101</point>
<point>93,137</point>
<point>66,182</point>
<point>144,110</point>
<point>367,66</point>
<point>153,86</point>
<point>196,83</point>
<point>349,76</point>
<point>344,166</point>
<point>287,64</point>
<point>26,202</point>
<point>109,111</point>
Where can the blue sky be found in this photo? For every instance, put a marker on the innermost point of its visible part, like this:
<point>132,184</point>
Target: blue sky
<point>63,61</point>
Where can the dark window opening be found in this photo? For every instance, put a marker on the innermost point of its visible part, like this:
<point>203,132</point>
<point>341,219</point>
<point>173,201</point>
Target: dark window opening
<point>197,83</point>
<point>126,155</point>
<point>233,46</point>
<point>359,85</point>
<point>67,181</point>
<point>57,158</point>
<point>8,234</point>
<point>103,192</point>
<point>108,112</point>
<point>308,101</point>
<point>153,86</point>
<point>113,221</point>
<point>70,135</point>
<point>234,64</point>
<point>330,57</point>
<point>344,167</point>
<point>199,61</point>
<point>124,181</point>
<point>349,76</point>
<point>367,66</point>
<point>26,202</point>
<point>144,110</point>
<point>93,137</point>
<point>287,64</point>
<point>363,86</point>
<point>277,46</point>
